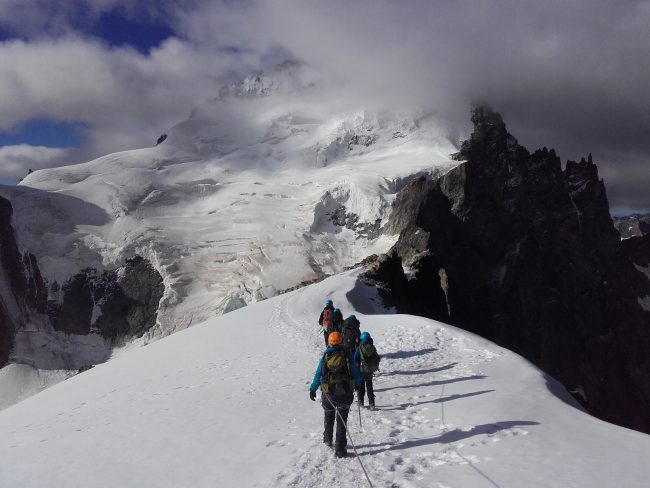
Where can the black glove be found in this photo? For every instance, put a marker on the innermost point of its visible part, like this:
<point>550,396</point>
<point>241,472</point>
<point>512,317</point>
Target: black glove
<point>312,395</point>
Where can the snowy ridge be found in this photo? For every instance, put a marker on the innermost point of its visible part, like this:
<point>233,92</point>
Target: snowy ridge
<point>226,402</point>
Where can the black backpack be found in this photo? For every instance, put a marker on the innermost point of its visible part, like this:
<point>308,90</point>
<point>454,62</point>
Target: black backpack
<point>336,380</point>
<point>350,332</point>
<point>337,319</point>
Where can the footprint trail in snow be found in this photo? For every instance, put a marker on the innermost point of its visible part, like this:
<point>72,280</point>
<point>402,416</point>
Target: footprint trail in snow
<point>413,432</point>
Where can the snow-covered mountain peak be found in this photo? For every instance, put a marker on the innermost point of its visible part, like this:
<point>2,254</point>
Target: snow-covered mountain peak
<point>245,198</point>
<point>287,77</point>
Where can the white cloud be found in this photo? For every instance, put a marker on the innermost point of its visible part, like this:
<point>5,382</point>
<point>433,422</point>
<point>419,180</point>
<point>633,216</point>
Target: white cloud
<point>569,75</point>
<point>15,161</point>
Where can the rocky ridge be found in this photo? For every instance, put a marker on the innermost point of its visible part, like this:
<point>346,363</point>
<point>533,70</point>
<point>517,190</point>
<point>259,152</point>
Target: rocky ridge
<point>512,247</point>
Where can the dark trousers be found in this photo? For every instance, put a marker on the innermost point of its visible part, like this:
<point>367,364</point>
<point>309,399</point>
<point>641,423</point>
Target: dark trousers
<point>331,417</point>
<point>326,334</point>
<point>366,384</point>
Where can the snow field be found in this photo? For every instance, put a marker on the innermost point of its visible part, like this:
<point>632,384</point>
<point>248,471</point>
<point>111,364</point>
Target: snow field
<point>225,403</point>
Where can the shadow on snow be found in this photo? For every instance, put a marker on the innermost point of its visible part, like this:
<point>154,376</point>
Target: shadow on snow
<point>407,354</point>
<point>434,383</point>
<point>418,371</point>
<point>447,437</point>
<point>449,398</point>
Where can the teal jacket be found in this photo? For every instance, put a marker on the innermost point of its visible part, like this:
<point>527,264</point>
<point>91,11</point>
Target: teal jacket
<point>354,370</point>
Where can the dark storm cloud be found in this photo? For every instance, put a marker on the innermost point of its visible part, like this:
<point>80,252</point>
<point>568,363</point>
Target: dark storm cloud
<point>571,75</point>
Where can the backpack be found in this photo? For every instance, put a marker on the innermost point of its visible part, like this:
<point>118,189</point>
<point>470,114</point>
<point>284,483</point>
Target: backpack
<point>327,319</point>
<point>369,358</point>
<point>337,320</point>
<point>336,379</point>
<point>350,332</point>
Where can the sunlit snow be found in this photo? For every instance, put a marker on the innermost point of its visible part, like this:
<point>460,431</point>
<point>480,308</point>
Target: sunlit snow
<point>225,403</point>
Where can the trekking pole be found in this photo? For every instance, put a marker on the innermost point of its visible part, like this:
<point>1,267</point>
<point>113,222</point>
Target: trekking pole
<point>347,431</point>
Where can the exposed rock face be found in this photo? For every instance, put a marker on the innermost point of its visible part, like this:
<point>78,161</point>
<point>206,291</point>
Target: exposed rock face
<point>21,271</point>
<point>526,255</point>
<point>116,304</point>
<point>632,225</point>
<point>638,249</point>
<point>22,287</point>
<point>6,274</point>
<point>342,218</point>
<point>6,335</point>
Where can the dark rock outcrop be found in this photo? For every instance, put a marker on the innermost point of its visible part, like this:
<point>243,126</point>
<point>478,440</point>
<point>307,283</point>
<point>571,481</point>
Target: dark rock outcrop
<point>638,249</point>
<point>7,253</point>
<point>369,230</point>
<point>6,335</point>
<point>25,289</point>
<point>116,304</point>
<point>526,255</point>
<point>632,225</point>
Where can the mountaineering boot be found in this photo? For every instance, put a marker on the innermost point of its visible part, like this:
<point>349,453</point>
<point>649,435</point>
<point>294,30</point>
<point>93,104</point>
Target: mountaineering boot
<point>371,406</point>
<point>341,454</point>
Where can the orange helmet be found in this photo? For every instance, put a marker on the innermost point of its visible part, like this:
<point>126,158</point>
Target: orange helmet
<point>335,338</point>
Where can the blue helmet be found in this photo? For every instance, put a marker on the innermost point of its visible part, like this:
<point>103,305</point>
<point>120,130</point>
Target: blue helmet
<point>365,337</point>
<point>329,303</point>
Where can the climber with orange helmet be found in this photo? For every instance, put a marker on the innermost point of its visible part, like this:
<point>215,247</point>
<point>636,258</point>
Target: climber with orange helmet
<point>337,376</point>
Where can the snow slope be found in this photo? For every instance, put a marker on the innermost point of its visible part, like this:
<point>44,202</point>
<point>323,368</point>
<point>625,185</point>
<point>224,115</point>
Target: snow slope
<point>225,403</point>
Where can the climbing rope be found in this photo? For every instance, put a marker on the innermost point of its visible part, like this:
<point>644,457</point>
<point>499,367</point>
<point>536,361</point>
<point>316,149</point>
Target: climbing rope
<point>347,431</point>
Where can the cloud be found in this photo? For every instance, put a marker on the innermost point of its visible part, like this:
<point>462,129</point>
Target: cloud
<point>125,98</point>
<point>569,75</point>
<point>16,161</point>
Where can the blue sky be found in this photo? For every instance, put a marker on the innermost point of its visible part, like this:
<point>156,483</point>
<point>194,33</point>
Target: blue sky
<point>43,132</point>
<point>141,34</point>
<point>113,28</point>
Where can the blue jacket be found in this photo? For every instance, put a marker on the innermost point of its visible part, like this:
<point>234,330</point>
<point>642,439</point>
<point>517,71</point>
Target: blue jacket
<point>354,370</point>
